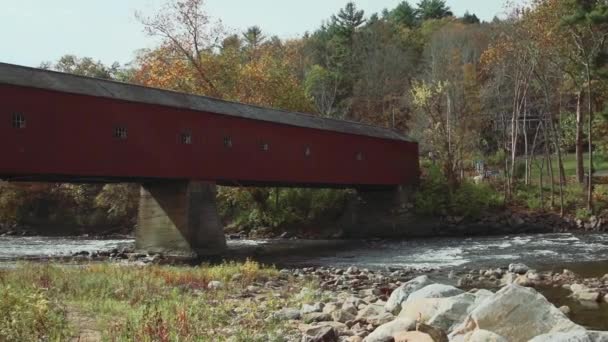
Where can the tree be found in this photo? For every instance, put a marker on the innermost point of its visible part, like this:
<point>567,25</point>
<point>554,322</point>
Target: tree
<point>85,66</point>
<point>433,9</point>
<point>254,37</point>
<point>348,20</point>
<point>588,28</point>
<point>186,29</point>
<point>469,18</point>
<point>404,14</point>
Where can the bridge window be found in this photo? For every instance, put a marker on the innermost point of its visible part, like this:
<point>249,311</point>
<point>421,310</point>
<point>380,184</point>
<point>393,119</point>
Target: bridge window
<point>18,120</point>
<point>120,133</point>
<point>227,142</point>
<point>265,146</point>
<point>359,156</point>
<point>307,151</point>
<point>186,138</point>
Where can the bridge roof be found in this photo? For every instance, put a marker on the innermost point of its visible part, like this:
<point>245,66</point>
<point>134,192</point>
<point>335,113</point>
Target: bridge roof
<point>61,82</point>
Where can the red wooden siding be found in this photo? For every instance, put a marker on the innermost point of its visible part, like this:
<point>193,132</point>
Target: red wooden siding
<point>72,135</point>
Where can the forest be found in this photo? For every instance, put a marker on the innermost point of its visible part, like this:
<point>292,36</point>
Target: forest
<point>508,113</point>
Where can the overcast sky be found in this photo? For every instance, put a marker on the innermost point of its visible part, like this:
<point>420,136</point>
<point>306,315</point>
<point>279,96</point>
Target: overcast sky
<point>32,31</point>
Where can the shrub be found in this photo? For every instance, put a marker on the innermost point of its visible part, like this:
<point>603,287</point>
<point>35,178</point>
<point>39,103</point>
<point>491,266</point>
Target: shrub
<point>432,197</point>
<point>471,199</point>
<point>28,315</point>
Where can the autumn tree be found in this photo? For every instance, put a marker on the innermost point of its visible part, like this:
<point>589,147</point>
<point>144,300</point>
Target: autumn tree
<point>187,32</point>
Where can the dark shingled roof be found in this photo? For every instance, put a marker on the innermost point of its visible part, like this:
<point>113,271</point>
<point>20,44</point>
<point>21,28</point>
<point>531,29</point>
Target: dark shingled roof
<point>62,82</point>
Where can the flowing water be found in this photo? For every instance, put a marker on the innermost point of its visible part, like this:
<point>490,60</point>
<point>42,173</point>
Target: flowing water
<point>540,251</point>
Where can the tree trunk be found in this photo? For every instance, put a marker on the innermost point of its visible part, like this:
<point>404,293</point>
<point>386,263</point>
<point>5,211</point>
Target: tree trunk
<point>590,140</point>
<point>580,168</point>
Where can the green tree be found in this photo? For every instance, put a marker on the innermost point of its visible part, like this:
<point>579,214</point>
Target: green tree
<point>469,18</point>
<point>85,66</point>
<point>588,28</point>
<point>254,37</point>
<point>404,14</point>
<point>433,9</point>
<point>348,20</point>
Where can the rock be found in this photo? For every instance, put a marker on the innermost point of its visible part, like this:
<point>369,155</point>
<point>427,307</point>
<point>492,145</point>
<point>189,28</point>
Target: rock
<point>354,339</point>
<point>350,307</point>
<point>518,268</point>
<point>412,336</point>
<point>352,270</point>
<point>508,279</point>
<point>320,334</point>
<point>583,293</point>
<point>483,336</point>
<point>402,292</point>
<point>589,296</point>
<point>380,319</point>
<point>340,328</point>
<point>385,332</point>
<point>606,298</point>
<point>575,336</point>
<point>370,310</point>
<point>215,285</point>
<point>516,221</point>
<point>370,292</point>
<point>316,317</point>
<point>565,309</point>
<point>523,280</point>
<point>514,307</point>
<point>287,314</point>
<point>437,335</point>
<point>307,308</point>
<point>435,291</point>
<point>442,313</point>
<point>532,275</point>
<point>342,316</point>
<point>330,307</point>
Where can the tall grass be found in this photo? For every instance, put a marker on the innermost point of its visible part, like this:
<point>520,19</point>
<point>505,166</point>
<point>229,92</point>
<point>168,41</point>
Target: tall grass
<point>153,303</point>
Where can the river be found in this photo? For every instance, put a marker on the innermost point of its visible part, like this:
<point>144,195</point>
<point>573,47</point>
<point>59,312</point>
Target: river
<point>540,251</point>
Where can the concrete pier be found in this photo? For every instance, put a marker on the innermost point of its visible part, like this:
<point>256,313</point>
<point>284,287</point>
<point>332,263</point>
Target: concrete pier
<point>179,219</point>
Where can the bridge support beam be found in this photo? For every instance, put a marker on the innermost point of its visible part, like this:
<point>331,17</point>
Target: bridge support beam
<point>179,219</point>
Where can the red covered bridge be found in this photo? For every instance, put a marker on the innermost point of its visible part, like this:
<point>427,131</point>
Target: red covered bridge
<point>61,127</point>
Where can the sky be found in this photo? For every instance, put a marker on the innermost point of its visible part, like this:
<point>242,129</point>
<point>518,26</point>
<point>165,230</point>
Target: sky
<point>34,31</point>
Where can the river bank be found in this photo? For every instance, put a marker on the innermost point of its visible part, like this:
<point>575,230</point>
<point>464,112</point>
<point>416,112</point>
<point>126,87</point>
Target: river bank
<point>250,302</point>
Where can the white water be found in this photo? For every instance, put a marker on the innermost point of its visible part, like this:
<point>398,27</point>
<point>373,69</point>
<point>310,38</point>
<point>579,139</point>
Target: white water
<point>546,249</point>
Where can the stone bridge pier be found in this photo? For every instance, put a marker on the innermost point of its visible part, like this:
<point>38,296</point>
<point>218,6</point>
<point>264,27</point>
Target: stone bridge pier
<point>179,218</point>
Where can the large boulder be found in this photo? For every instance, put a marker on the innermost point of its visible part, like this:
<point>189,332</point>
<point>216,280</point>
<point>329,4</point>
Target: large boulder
<point>576,336</point>
<point>519,314</point>
<point>442,313</point>
<point>385,332</point>
<point>482,336</point>
<point>434,291</point>
<point>371,310</point>
<point>401,293</point>
<point>412,336</point>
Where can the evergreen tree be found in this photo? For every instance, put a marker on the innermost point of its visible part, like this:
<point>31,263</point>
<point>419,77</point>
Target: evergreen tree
<point>404,14</point>
<point>433,9</point>
<point>469,18</point>
<point>348,20</point>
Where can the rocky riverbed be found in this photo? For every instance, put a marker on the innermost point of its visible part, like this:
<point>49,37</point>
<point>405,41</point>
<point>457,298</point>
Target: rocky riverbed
<point>401,305</point>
